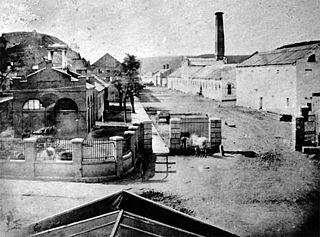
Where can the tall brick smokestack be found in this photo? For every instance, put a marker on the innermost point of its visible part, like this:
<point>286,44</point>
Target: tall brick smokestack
<point>219,36</point>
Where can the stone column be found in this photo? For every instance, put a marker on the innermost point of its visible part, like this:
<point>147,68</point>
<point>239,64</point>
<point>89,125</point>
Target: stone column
<point>215,133</point>
<point>77,156</point>
<point>118,143</point>
<point>140,137</point>
<point>297,133</point>
<point>132,135</point>
<point>175,133</point>
<point>147,137</point>
<point>30,154</point>
<point>136,140</point>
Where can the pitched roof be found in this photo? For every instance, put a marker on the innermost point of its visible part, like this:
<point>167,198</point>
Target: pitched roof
<point>231,59</point>
<point>176,73</point>
<point>281,56</point>
<point>122,214</point>
<point>89,86</point>
<point>212,72</point>
<point>201,61</point>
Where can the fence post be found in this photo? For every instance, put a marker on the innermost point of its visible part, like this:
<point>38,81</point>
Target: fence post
<point>118,143</point>
<point>175,133</point>
<point>132,135</point>
<point>298,133</point>
<point>30,153</point>
<point>215,133</point>
<point>136,140</point>
<point>147,137</point>
<point>140,137</point>
<point>77,156</point>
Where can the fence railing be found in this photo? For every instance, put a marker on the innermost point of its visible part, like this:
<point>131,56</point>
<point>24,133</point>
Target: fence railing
<point>11,149</point>
<point>51,148</point>
<point>98,150</point>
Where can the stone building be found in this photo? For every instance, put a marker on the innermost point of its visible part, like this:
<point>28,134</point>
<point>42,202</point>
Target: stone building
<point>210,75</point>
<point>280,80</point>
<point>53,96</point>
<point>106,63</point>
<point>160,78</point>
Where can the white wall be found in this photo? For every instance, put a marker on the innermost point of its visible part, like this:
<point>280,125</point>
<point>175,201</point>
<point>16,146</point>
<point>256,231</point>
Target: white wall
<point>308,81</point>
<point>273,83</point>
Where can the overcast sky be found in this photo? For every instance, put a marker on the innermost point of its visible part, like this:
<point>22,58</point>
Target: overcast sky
<point>164,27</point>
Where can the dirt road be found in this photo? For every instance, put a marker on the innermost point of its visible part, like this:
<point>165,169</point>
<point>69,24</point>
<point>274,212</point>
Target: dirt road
<point>259,131</point>
<point>246,196</point>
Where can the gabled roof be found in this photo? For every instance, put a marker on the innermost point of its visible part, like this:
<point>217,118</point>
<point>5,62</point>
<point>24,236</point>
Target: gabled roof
<point>122,214</point>
<point>201,61</point>
<point>193,70</point>
<point>281,56</point>
<point>176,73</point>
<point>106,59</point>
<point>212,72</point>
<point>231,59</point>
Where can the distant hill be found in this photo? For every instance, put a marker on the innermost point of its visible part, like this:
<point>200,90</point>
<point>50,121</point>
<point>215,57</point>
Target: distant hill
<point>154,64</point>
<point>26,49</point>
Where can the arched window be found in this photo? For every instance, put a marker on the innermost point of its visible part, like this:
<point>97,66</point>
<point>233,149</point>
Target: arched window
<point>33,104</point>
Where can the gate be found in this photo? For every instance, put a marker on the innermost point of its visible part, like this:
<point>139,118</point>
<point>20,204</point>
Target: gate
<point>98,150</point>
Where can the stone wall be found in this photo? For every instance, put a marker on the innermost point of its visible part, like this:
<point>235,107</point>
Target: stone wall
<point>202,126</point>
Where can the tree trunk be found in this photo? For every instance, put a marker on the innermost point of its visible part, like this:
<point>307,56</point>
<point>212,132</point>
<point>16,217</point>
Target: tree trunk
<point>132,101</point>
<point>120,99</point>
<point>125,105</point>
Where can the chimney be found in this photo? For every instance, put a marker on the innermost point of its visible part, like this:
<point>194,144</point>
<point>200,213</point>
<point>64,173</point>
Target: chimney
<point>219,36</point>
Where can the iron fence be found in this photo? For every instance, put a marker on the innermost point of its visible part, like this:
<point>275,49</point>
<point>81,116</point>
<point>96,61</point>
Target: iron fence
<point>12,149</point>
<point>52,148</point>
<point>98,150</point>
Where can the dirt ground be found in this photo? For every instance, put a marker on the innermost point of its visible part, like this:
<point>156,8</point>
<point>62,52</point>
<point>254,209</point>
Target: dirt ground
<point>275,194</point>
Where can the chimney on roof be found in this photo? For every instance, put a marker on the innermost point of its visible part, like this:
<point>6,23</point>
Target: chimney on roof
<point>219,36</point>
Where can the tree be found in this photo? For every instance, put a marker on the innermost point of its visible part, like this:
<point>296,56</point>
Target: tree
<point>4,60</point>
<point>130,67</point>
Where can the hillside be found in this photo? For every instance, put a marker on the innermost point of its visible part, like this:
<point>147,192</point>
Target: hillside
<point>154,64</point>
<point>26,49</point>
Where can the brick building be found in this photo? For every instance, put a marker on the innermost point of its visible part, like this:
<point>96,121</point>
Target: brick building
<point>53,96</point>
<point>280,80</point>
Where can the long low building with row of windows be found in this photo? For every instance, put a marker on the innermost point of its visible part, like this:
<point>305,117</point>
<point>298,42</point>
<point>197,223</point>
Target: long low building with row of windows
<point>206,76</point>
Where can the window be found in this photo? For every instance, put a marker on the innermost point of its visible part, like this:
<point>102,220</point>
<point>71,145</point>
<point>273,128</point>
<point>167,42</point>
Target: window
<point>288,102</point>
<point>32,105</point>
<point>229,89</point>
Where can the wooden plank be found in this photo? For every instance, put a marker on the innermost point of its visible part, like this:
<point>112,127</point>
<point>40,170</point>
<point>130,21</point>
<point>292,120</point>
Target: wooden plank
<point>116,225</point>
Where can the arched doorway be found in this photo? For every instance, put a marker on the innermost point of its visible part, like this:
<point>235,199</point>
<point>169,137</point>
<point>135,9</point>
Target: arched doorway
<point>66,117</point>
